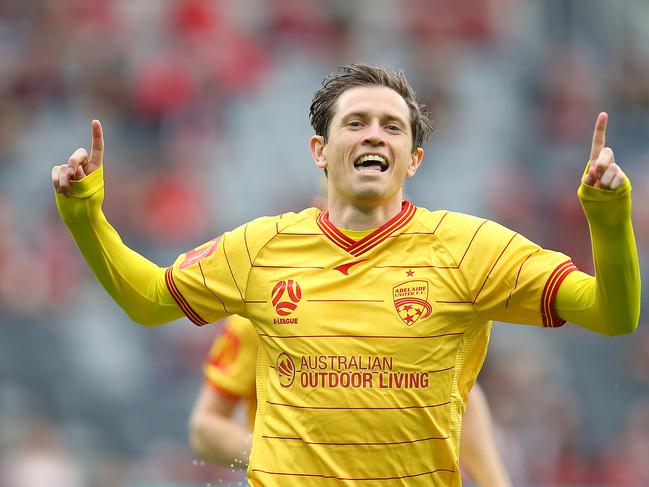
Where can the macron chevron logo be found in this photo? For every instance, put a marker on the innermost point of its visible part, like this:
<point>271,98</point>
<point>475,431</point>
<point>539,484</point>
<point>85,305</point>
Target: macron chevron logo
<point>344,268</point>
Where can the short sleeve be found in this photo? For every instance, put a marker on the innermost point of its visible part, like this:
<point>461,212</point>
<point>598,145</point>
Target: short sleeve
<point>511,278</point>
<point>210,281</point>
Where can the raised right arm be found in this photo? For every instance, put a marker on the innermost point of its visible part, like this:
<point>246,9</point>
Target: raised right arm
<point>134,282</point>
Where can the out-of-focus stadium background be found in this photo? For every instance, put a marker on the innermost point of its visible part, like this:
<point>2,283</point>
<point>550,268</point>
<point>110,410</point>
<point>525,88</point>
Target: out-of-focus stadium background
<point>204,106</point>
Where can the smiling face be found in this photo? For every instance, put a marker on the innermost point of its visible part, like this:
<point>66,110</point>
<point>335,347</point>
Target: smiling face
<point>368,152</point>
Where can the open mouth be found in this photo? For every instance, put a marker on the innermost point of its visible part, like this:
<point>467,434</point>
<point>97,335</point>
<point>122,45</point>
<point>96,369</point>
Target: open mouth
<point>371,162</point>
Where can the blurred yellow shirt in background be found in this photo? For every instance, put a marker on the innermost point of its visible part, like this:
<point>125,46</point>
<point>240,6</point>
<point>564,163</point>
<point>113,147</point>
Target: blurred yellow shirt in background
<point>229,367</point>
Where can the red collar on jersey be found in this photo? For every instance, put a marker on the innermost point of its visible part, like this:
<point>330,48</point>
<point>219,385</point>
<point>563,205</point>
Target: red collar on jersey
<point>370,241</point>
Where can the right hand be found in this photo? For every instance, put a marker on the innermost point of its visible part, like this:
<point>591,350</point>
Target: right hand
<point>80,164</point>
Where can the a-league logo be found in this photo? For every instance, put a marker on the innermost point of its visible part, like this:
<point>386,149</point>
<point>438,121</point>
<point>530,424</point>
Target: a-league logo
<point>285,296</point>
<point>411,301</point>
<point>285,370</point>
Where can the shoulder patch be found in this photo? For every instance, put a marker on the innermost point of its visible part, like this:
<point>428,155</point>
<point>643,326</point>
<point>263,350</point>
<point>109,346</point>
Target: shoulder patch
<point>199,253</point>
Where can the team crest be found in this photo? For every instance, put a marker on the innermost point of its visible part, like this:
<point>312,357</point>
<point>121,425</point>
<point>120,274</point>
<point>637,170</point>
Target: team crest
<point>411,301</point>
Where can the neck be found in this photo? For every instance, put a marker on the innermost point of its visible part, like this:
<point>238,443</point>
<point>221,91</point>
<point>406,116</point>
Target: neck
<point>363,217</point>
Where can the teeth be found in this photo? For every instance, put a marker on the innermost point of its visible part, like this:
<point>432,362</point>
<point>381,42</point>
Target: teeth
<point>372,157</point>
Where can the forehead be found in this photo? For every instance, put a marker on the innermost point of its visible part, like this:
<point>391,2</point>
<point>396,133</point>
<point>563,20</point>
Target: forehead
<point>379,100</point>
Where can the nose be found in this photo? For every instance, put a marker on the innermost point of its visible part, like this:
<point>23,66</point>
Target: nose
<point>373,134</point>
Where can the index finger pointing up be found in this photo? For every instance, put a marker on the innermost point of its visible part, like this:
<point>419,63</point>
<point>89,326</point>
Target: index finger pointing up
<point>97,152</point>
<point>599,136</point>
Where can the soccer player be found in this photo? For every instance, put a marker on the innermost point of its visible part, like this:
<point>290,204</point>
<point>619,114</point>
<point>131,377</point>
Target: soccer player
<point>230,380</point>
<point>374,316</point>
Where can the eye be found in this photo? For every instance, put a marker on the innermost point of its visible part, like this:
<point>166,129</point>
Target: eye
<point>393,127</point>
<point>354,124</point>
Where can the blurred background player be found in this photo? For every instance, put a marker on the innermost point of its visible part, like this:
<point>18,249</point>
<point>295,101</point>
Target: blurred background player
<point>218,436</point>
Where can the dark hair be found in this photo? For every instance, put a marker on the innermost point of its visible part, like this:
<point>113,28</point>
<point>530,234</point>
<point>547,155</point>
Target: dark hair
<point>357,74</point>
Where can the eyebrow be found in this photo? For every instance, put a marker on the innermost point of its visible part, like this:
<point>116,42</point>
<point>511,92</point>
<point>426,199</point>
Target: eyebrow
<point>385,116</point>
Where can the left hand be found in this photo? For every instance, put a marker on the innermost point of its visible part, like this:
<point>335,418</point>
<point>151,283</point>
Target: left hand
<point>602,171</point>
<point>80,164</point>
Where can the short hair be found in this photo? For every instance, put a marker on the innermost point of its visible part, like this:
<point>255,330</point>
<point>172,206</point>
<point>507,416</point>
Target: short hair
<point>358,74</point>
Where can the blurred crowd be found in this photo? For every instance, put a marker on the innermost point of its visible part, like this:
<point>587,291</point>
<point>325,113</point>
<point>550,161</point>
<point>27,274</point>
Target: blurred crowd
<point>204,105</point>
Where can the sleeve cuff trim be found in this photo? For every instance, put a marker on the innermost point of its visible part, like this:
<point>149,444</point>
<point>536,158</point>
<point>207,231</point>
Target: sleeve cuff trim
<point>550,319</point>
<point>220,390</point>
<point>181,301</point>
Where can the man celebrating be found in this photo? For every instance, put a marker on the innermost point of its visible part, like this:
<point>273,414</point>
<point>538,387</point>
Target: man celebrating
<point>374,316</point>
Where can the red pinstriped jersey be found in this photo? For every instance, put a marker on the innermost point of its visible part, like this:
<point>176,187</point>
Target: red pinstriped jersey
<point>369,347</point>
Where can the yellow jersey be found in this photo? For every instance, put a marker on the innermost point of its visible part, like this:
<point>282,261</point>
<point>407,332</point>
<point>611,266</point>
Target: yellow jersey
<point>229,368</point>
<point>370,346</point>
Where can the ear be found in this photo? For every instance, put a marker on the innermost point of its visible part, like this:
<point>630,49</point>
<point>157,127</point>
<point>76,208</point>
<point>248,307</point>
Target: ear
<point>416,157</point>
<point>318,145</point>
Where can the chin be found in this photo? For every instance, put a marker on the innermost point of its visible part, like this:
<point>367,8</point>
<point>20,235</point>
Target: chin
<point>372,193</point>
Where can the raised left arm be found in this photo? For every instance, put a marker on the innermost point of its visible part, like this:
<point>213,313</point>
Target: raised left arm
<point>609,302</point>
